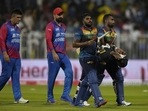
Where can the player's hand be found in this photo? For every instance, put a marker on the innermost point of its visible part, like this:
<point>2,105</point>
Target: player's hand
<point>95,37</point>
<point>55,56</point>
<point>115,55</point>
<point>6,57</point>
<point>120,51</point>
<point>90,42</point>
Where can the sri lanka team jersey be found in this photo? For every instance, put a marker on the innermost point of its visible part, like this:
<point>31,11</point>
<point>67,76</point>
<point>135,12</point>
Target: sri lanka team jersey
<point>109,38</point>
<point>55,37</point>
<point>10,39</point>
<point>84,34</point>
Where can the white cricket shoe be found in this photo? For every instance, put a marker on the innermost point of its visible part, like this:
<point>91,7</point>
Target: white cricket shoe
<point>124,103</point>
<point>22,101</point>
<point>85,103</point>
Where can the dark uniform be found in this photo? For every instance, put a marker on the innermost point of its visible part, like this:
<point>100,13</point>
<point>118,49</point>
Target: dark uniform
<point>109,63</point>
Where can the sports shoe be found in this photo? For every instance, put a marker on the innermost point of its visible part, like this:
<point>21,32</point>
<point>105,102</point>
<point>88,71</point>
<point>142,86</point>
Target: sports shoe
<point>22,101</point>
<point>51,101</point>
<point>124,103</point>
<point>66,99</point>
<point>85,103</point>
<point>102,102</point>
<point>78,105</point>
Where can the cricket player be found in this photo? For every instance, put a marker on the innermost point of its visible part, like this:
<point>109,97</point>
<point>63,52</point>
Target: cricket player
<point>112,58</point>
<point>10,56</point>
<point>56,55</point>
<point>85,39</point>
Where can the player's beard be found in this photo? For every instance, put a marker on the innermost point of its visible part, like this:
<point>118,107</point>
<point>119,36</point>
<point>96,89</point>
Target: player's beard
<point>88,24</point>
<point>59,20</point>
<point>111,25</point>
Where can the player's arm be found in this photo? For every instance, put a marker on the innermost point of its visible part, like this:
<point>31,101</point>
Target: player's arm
<point>49,34</point>
<point>77,43</point>
<point>3,36</point>
<point>100,33</point>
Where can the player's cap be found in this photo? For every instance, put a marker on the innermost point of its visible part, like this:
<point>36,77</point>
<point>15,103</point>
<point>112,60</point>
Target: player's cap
<point>57,11</point>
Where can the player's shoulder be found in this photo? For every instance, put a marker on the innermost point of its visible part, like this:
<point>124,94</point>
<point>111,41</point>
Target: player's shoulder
<point>50,25</point>
<point>77,29</point>
<point>100,28</point>
<point>94,28</point>
<point>4,25</point>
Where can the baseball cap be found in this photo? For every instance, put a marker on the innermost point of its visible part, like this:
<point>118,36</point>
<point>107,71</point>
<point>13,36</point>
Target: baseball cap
<point>57,11</point>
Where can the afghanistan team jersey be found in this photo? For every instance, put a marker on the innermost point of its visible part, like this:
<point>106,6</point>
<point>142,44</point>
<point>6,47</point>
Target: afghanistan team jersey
<point>84,34</point>
<point>55,37</point>
<point>10,39</point>
<point>109,38</point>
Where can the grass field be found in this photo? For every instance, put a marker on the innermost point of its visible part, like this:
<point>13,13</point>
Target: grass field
<point>138,95</point>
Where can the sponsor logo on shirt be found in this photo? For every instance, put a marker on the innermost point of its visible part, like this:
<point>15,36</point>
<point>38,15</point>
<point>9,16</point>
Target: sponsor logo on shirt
<point>57,29</point>
<point>15,41</point>
<point>60,34</point>
<point>59,39</point>
<point>12,29</point>
<point>15,35</point>
<point>15,38</point>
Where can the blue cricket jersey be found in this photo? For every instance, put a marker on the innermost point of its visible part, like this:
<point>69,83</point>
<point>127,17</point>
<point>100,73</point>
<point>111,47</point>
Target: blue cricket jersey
<point>55,37</point>
<point>84,34</point>
<point>10,39</point>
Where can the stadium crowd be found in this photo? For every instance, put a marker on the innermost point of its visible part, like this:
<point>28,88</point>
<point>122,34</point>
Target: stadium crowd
<point>132,23</point>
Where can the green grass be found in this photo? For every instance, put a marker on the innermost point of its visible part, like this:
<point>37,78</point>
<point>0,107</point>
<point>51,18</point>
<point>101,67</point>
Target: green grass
<point>138,95</point>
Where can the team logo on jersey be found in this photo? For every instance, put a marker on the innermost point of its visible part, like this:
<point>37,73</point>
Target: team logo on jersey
<point>60,34</point>
<point>57,29</point>
<point>12,29</point>
<point>15,35</point>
